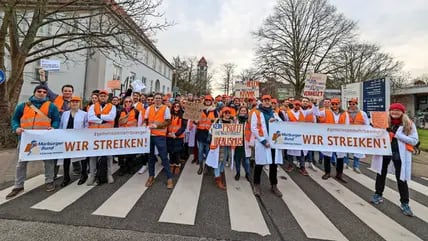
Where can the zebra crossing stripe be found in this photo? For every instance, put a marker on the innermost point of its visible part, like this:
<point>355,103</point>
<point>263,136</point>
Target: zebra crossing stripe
<point>375,219</point>
<point>244,211</point>
<point>183,202</point>
<point>124,199</point>
<point>30,184</point>
<point>412,184</point>
<point>420,210</point>
<point>309,217</point>
<point>425,178</point>
<point>66,196</point>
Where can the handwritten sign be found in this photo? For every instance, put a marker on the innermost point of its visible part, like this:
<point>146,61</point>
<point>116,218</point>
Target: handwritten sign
<point>379,119</point>
<point>315,86</point>
<point>192,110</point>
<point>247,89</point>
<point>227,134</point>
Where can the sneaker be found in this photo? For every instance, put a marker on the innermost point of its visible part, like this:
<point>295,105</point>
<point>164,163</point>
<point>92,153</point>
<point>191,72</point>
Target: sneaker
<point>276,191</point>
<point>256,190</point>
<point>237,176</point>
<point>406,209</point>
<point>14,192</point>
<point>357,170</point>
<point>201,169</point>
<point>303,171</point>
<point>312,166</point>
<point>376,199</point>
<point>50,187</point>
<point>142,169</point>
<point>91,180</point>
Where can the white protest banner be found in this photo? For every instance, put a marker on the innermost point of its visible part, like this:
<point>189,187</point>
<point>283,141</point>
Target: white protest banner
<point>315,86</point>
<point>50,64</point>
<point>72,143</point>
<point>329,137</point>
<point>192,110</point>
<point>247,89</point>
<point>227,134</point>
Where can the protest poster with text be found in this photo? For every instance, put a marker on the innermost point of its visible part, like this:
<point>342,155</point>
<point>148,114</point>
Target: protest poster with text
<point>329,137</point>
<point>74,143</point>
<point>315,86</point>
<point>227,134</point>
<point>247,89</point>
<point>193,110</point>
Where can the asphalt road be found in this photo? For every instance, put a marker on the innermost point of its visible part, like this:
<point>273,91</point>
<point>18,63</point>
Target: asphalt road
<point>212,221</point>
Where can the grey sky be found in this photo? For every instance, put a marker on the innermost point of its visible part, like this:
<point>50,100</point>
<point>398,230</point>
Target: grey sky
<point>220,29</point>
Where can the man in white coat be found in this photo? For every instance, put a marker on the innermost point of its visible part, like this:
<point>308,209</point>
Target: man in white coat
<point>265,155</point>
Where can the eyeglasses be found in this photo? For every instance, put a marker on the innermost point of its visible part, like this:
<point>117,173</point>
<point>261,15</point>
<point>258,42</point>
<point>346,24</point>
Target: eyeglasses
<point>177,106</point>
<point>42,92</point>
<point>352,104</point>
<point>334,104</point>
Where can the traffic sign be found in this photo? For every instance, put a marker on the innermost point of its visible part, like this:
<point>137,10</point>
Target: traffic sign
<point>2,77</point>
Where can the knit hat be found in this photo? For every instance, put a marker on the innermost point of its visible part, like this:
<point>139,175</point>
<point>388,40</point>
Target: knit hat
<point>40,87</point>
<point>397,106</point>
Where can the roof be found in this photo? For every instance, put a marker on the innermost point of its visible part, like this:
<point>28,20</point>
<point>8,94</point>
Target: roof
<point>202,62</point>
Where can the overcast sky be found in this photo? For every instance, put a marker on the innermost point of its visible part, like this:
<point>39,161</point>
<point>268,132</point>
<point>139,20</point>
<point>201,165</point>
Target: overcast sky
<point>220,30</point>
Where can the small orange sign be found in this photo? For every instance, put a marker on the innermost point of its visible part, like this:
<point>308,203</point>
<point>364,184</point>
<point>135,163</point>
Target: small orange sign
<point>113,84</point>
<point>380,119</point>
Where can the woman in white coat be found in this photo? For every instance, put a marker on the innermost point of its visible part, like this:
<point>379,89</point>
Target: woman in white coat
<point>74,119</point>
<point>264,154</point>
<point>404,136</point>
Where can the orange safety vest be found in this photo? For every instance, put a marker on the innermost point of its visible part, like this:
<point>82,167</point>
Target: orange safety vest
<point>309,118</point>
<point>132,118</point>
<point>409,147</point>
<point>175,126</point>
<point>321,119</point>
<point>106,110</point>
<point>329,117</point>
<point>139,106</point>
<point>292,117</point>
<point>232,112</point>
<point>157,117</point>
<point>32,120</point>
<point>59,102</point>
<point>259,123</point>
<point>205,120</point>
<point>359,120</point>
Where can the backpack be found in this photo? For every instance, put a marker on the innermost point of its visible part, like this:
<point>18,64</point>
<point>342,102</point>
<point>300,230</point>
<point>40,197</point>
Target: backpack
<point>101,176</point>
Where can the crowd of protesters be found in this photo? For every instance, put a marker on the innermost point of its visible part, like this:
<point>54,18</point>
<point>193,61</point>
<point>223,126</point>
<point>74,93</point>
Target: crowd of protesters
<point>174,139</point>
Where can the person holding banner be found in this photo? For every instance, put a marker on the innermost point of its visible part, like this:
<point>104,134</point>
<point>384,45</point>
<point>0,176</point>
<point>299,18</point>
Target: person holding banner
<point>158,117</point>
<point>74,119</point>
<point>175,139</point>
<point>101,115</point>
<point>208,115</point>
<point>334,115</point>
<point>264,154</point>
<point>403,136</point>
<point>223,153</point>
<point>37,113</point>
<point>357,117</point>
<point>129,116</point>
<point>243,153</point>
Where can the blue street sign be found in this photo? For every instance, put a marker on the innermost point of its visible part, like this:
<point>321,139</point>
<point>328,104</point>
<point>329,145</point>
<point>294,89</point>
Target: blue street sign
<point>374,95</point>
<point>2,77</point>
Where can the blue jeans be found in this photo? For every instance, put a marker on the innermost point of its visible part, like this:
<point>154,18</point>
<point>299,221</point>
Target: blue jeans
<point>245,163</point>
<point>346,159</point>
<point>203,149</point>
<point>356,162</point>
<point>160,143</point>
<point>225,152</point>
<point>219,169</point>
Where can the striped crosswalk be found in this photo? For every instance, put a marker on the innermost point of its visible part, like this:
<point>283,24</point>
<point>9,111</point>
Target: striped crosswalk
<point>246,213</point>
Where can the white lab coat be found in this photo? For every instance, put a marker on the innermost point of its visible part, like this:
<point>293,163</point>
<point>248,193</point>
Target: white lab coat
<point>262,154</point>
<point>405,155</point>
<point>80,122</point>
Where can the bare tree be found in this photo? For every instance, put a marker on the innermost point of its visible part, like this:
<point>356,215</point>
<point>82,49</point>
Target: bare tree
<point>298,38</point>
<point>357,62</point>
<point>31,30</point>
<point>228,71</point>
<point>249,74</point>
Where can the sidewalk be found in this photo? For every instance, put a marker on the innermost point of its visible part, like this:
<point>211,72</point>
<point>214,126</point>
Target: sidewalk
<point>8,159</point>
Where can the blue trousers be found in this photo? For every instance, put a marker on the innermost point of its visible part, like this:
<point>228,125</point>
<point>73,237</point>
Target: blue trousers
<point>160,143</point>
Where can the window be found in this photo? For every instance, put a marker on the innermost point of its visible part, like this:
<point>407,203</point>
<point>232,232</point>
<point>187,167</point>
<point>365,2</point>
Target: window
<point>154,62</point>
<point>117,72</point>
<point>157,86</point>
<point>163,89</point>
<point>144,80</point>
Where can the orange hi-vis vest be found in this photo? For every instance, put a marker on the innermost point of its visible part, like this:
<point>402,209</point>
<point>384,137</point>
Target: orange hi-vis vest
<point>106,110</point>
<point>139,106</point>
<point>321,119</point>
<point>175,126</point>
<point>32,120</point>
<point>409,147</point>
<point>292,117</point>
<point>358,120</point>
<point>132,118</point>
<point>59,102</point>
<point>329,117</point>
<point>205,120</point>
<point>157,117</point>
<point>309,118</point>
<point>259,122</point>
